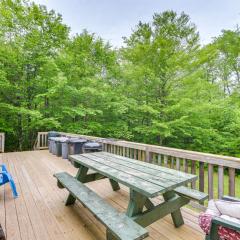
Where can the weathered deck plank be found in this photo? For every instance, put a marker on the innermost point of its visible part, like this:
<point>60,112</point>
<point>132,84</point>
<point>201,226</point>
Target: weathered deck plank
<point>158,177</point>
<point>143,186</point>
<point>160,169</point>
<point>76,222</point>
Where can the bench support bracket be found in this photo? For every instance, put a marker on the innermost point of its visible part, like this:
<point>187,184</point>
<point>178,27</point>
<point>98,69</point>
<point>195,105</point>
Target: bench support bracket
<point>176,215</point>
<point>172,205</point>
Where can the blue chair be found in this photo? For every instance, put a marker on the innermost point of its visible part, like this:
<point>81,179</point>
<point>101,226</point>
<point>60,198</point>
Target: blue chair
<point>5,177</point>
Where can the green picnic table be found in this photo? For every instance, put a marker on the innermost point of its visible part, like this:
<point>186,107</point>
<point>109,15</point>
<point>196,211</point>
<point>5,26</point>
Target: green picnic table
<point>145,182</point>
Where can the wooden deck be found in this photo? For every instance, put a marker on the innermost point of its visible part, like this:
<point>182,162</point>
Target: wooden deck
<point>39,212</point>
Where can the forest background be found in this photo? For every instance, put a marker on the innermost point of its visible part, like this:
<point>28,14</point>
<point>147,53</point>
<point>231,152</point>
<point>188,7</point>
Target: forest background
<point>161,87</point>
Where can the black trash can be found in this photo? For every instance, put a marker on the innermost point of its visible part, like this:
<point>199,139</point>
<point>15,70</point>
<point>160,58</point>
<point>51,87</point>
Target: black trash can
<point>59,142</point>
<point>52,134</point>
<point>92,147</point>
<point>59,148</point>
<point>54,145</point>
<point>50,144</point>
<point>75,145</point>
<point>65,148</point>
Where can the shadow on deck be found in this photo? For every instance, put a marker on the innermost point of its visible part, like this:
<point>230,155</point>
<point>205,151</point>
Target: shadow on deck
<point>39,211</point>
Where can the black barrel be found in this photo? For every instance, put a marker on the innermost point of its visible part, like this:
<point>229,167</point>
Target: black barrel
<point>92,147</point>
<point>59,141</point>
<point>50,144</point>
<point>75,145</point>
<point>54,145</point>
<point>51,135</point>
<point>65,148</point>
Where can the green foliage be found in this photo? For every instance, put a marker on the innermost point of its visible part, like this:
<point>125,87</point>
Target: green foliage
<point>30,38</point>
<point>162,87</point>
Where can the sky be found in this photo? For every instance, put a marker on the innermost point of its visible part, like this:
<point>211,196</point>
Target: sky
<point>113,19</point>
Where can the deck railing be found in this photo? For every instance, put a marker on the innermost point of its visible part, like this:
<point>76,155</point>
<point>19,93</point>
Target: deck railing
<point>217,173</point>
<point>41,141</point>
<point>2,142</point>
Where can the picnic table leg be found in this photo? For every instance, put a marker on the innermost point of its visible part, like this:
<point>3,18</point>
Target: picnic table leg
<point>149,204</point>
<point>81,175</point>
<point>135,206</point>
<point>136,203</point>
<point>114,184</point>
<point>110,236</point>
<point>176,215</point>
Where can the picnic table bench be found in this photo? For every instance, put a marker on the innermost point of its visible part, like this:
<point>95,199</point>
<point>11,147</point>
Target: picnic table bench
<point>145,182</point>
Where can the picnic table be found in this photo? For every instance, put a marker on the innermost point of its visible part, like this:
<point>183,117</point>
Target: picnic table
<point>145,182</point>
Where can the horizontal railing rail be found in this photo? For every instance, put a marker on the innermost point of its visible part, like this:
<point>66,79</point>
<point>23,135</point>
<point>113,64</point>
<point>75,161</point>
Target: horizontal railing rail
<point>216,173</point>
<point>2,142</point>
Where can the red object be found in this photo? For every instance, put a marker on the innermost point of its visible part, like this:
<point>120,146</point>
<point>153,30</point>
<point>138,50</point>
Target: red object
<point>223,232</point>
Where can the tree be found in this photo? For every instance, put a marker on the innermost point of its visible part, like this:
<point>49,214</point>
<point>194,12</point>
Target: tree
<point>156,57</point>
<point>30,37</point>
<point>162,87</point>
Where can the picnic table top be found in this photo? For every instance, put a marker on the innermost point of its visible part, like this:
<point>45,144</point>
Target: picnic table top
<point>146,178</point>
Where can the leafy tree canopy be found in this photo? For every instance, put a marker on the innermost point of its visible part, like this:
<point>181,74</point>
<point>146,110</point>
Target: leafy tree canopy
<point>161,87</point>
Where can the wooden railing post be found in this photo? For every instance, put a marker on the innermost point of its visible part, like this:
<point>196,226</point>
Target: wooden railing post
<point>178,165</point>
<point>135,154</point>
<point>2,142</point>
<point>185,165</point>
<point>220,181</point>
<point>41,141</point>
<point>201,176</point>
<point>165,160</point>
<point>193,171</point>
<point>159,159</point>
<point>210,181</point>
<point>231,183</point>
<point>139,155</point>
<point>148,156</point>
<point>124,151</point>
<point>172,162</point>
